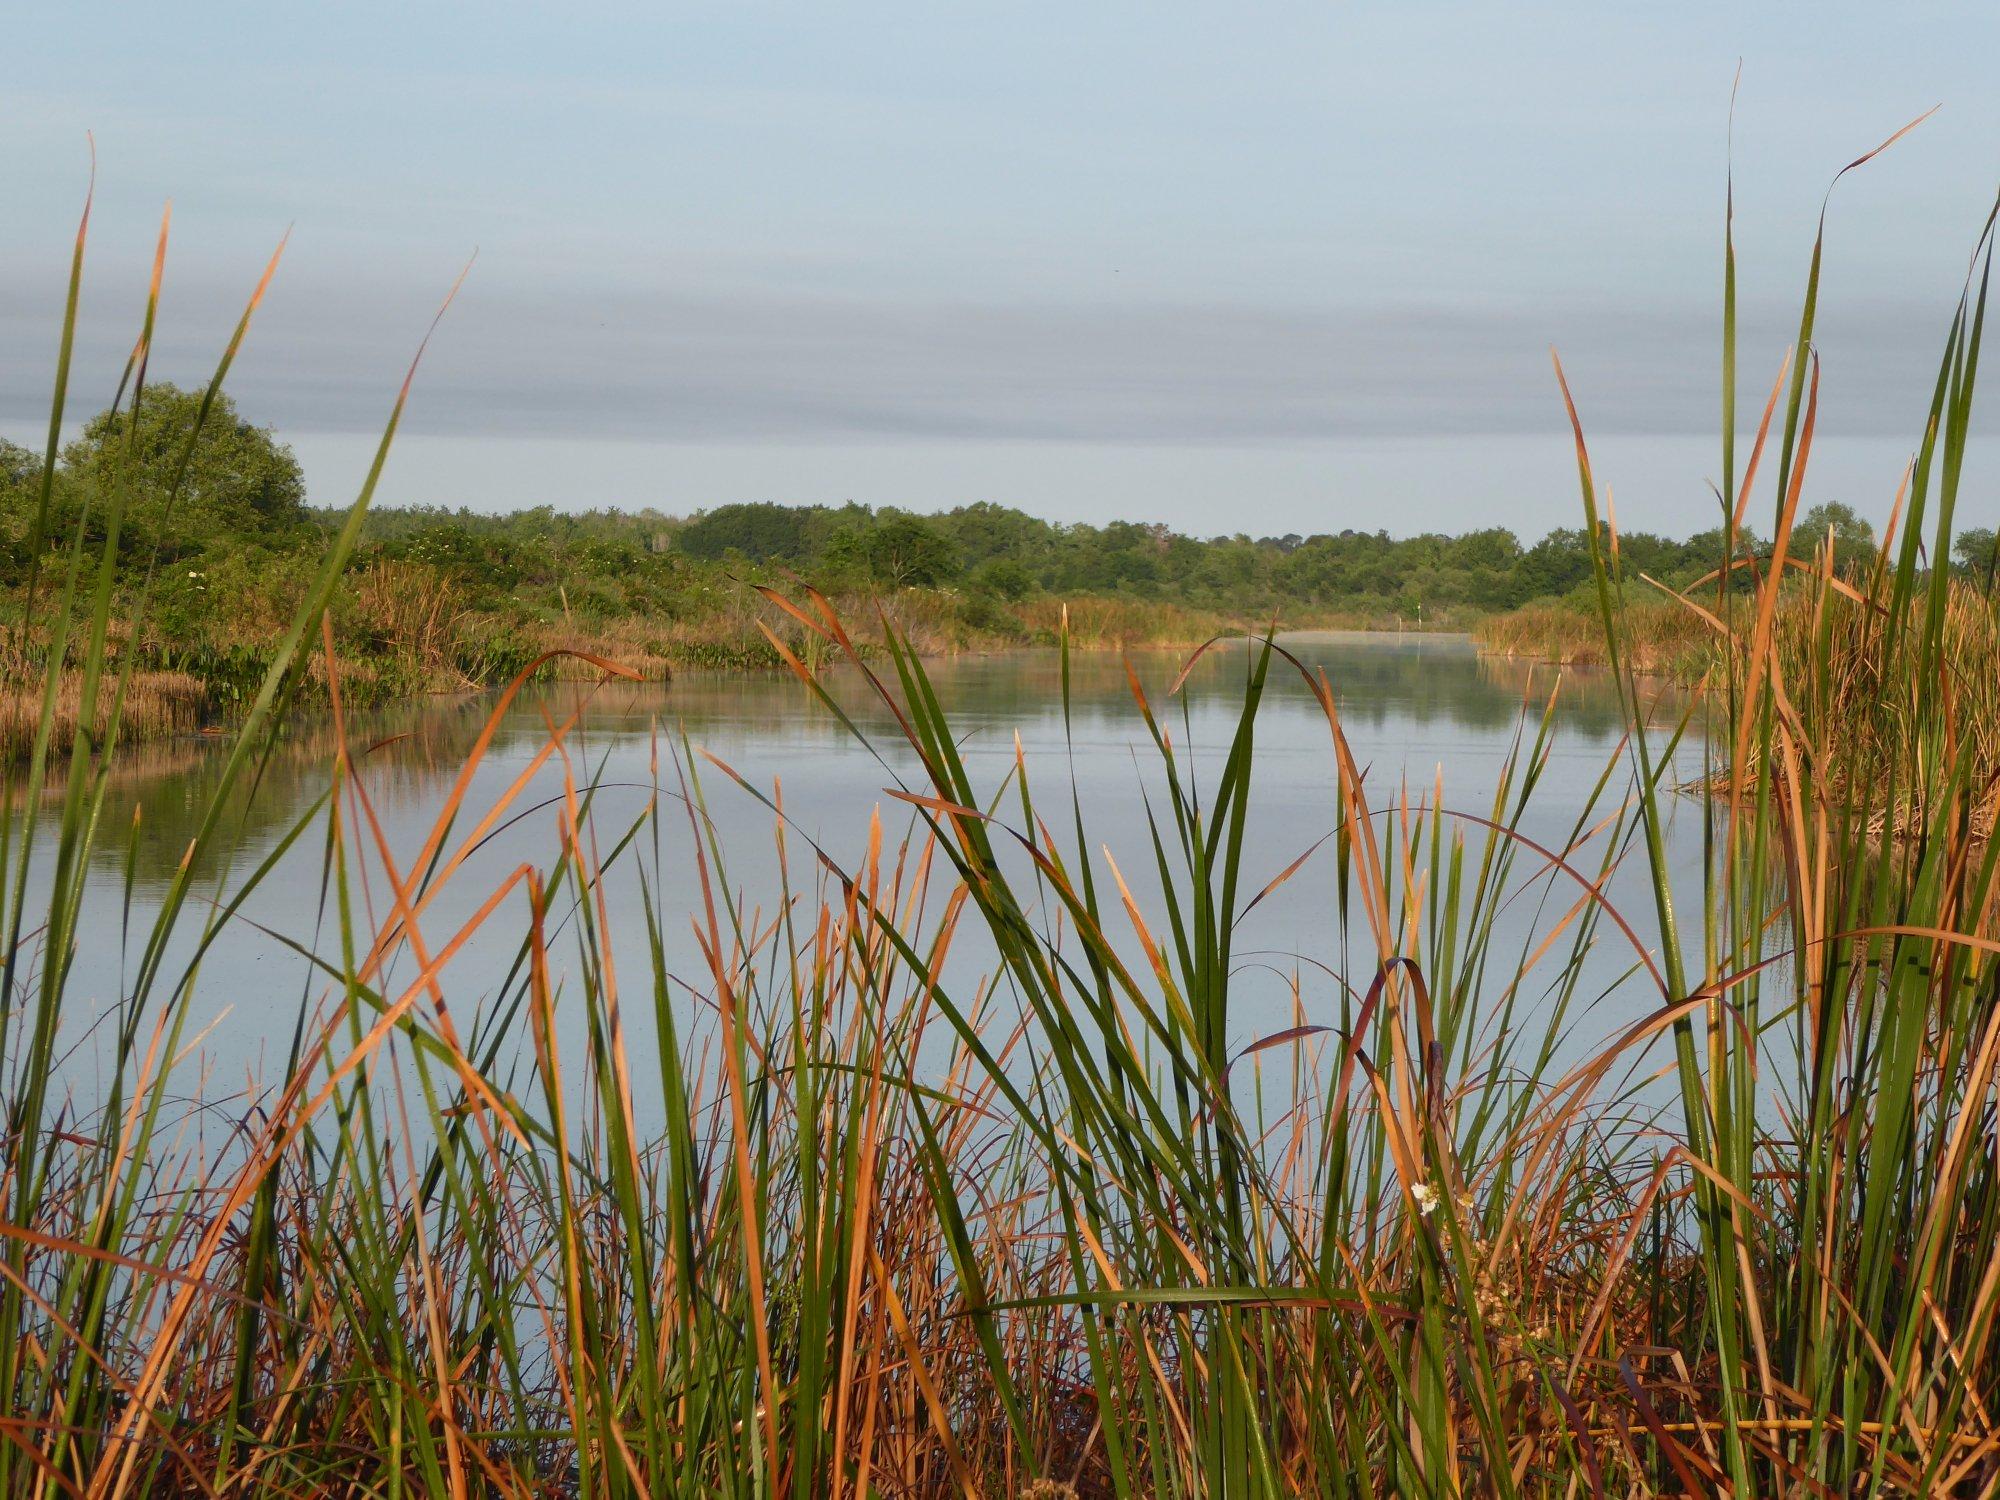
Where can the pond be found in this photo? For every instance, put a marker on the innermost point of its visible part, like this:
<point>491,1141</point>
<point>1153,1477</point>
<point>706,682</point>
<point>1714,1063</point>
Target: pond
<point>1416,708</point>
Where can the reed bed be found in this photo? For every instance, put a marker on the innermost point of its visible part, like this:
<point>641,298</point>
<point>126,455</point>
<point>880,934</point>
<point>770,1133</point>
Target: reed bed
<point>1063,1224</point>
<point>1658,637</point>
<point>1871,707</point>
<point>1843,650</point>
<point>158,705</point>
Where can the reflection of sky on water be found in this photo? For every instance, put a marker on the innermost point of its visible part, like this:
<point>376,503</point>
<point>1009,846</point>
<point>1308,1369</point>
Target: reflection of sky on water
<point>1409,705</point>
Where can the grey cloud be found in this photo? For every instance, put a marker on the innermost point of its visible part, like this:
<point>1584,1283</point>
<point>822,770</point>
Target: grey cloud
<point>751,366</point>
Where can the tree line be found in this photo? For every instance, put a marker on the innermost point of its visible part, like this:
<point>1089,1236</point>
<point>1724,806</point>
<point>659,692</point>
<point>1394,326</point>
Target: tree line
<point>239,528</point>
<point>995,550</point>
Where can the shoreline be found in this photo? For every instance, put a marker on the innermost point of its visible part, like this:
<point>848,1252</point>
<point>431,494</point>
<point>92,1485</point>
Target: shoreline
<point>169,706</point>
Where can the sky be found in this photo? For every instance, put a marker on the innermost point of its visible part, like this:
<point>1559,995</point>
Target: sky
<point>1266,267</point>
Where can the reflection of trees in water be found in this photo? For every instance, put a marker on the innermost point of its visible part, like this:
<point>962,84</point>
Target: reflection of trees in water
<point>414,747</point>
<point>170,784</point>
<point>408,752</point>
<point>1448,682</point>
<point>1379,680</point>
<point>1586,697</point>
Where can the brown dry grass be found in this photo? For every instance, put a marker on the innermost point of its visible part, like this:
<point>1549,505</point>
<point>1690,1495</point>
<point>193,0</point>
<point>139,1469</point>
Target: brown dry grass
<point>416,615</point>
<point>1661,636</point>
<point>158,705</point>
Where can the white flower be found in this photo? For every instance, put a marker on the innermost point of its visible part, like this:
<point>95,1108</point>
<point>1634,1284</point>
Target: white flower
<point>1427,1198</point>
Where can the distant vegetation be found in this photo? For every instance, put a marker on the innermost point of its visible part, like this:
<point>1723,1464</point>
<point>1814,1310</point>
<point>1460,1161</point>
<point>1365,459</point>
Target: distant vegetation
<point>444,599</point>
<point>1003,556</point>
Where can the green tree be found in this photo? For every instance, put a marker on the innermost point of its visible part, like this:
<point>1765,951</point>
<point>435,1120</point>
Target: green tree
<point>899,551</point>
<point>1004,578</point>
<point>1977,551</point>
<point>984,531</point>
<point>1556,564</point>
<point>759,531</point>
<point>1853,538</point>
<point>240,482</point>
<point>18,467</point>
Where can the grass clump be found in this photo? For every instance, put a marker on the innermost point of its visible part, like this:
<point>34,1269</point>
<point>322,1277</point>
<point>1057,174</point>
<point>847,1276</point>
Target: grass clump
<point>1659,637</point>
<point>1059,1223</point>
<point>158,705</point>
<point>1832,639</point>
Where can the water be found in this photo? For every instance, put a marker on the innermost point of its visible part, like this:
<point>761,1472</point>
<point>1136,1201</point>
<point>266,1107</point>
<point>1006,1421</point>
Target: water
<point>1412,707</point>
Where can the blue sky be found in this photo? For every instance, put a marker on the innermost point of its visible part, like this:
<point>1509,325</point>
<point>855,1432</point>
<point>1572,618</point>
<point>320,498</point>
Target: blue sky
<point>1266,267</point>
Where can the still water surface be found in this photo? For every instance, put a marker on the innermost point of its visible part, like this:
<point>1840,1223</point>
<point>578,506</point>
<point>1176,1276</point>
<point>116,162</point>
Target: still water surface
<point>1413,707</point>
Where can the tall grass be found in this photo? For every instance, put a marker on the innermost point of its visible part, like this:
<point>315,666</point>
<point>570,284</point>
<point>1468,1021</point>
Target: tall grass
<point>1071,1221</point>
<point>157,705</point>
<point>1657,636</point>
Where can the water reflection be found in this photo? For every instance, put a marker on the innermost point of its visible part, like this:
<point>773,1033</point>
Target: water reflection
<point>1418,685</point>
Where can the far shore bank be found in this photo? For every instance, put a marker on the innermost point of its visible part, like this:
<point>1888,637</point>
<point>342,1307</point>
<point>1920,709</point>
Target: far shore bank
<point>189,695</point>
